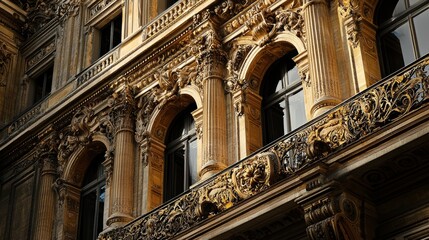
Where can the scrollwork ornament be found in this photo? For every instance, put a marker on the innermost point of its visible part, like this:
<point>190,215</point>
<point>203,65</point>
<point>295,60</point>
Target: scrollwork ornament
<point>350,11</point>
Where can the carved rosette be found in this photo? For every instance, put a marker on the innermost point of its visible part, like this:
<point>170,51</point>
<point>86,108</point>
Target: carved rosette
<point>255,176</point>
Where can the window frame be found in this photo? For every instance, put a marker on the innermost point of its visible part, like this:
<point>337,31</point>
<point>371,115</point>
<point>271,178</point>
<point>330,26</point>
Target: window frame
<point>289,88</point>
<point>172,145</point>
<point>395,22</point>
<point>96,185</point>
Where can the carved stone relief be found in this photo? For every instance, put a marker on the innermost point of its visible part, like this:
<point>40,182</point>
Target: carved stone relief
<point>5,58</point>
<point>350,10</point>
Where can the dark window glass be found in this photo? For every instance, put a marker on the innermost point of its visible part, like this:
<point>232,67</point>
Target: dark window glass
<point>282,99</point>
<point>43,85</point>
<point>170,3</point>
<point>180,170</point>
<point>403,35</point>
<point>110,35</point>
<point>92,200</point>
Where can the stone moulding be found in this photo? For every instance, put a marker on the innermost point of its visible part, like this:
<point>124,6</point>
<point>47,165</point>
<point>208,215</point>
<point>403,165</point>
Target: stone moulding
<point>364,114</point>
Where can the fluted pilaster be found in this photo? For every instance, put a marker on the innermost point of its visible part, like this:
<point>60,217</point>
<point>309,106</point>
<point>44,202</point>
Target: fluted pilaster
<point>321,51</point>
<point>45,211</point>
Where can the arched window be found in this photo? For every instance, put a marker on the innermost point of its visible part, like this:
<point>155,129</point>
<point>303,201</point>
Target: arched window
<point>403,32</point>
<point>282,99</point>
<point>92,200</point>
<point>180,168</point>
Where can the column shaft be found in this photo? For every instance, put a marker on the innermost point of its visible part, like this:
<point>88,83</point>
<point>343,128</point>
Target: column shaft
<point>44,224</point>
<point>321,52</point>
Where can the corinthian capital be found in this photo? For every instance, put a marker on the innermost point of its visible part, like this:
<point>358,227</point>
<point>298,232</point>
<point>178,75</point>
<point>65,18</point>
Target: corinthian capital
<point>123,109</point>
<point>211,57</point>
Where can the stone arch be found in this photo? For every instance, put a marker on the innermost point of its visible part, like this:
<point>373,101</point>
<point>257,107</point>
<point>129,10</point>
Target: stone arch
<point>247,103</point>
<point>261,57</point>
<point>154,147</point>
<point>76,166</point>
<point>69,186</point>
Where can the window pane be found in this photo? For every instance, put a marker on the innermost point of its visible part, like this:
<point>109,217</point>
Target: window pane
<point>87,215</point>
<point>192,161</point>
<point>421,22</point>
<point>293,75</point>
<point>400,7</point>
<point>274,122</point>
<point>398,48</point>
<point>297,110</point>
<point>105,39</point>
<point>117,26</point>
<point>100,210</point>
<point>174,173</point>
<point>412,2</point>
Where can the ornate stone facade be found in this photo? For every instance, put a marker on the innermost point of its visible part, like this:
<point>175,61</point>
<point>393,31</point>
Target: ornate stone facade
<point>340,175</point>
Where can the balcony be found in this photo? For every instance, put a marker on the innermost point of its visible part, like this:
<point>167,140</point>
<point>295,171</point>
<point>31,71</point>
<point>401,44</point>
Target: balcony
<point>370,112</point>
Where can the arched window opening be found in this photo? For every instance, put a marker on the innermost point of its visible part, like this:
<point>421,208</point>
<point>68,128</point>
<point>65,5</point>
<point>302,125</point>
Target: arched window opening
<point>92,200</point>
<point>282,99</point>
<point>180,168</point>
<point>403,36</point>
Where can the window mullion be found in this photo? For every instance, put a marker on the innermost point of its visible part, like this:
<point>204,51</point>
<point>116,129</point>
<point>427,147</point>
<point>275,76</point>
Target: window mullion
<point>97,205</point>
<point>286,119</point>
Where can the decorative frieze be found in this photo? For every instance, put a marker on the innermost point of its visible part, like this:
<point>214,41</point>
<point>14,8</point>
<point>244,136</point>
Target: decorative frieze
<point>99,6</point>
<point>41,54</point>
<point>25,119</point>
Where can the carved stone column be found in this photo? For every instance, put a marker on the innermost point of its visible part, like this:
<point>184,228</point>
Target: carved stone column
<point>123,171</point>
<point>321,54</point>
<point>331,213</point>
<point>45,210</point>
<point>211,61</point>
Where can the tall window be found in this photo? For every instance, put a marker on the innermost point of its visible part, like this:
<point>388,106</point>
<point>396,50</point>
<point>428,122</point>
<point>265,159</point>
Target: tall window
<point>403,32</point>
<point>282,99</point>
<point>180,168</point>
<point>110,35</point>
<point>92,200</point>
<point>43,85</point>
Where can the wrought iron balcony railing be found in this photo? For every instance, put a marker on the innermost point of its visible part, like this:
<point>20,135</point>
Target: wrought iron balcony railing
<point>364,114</point>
